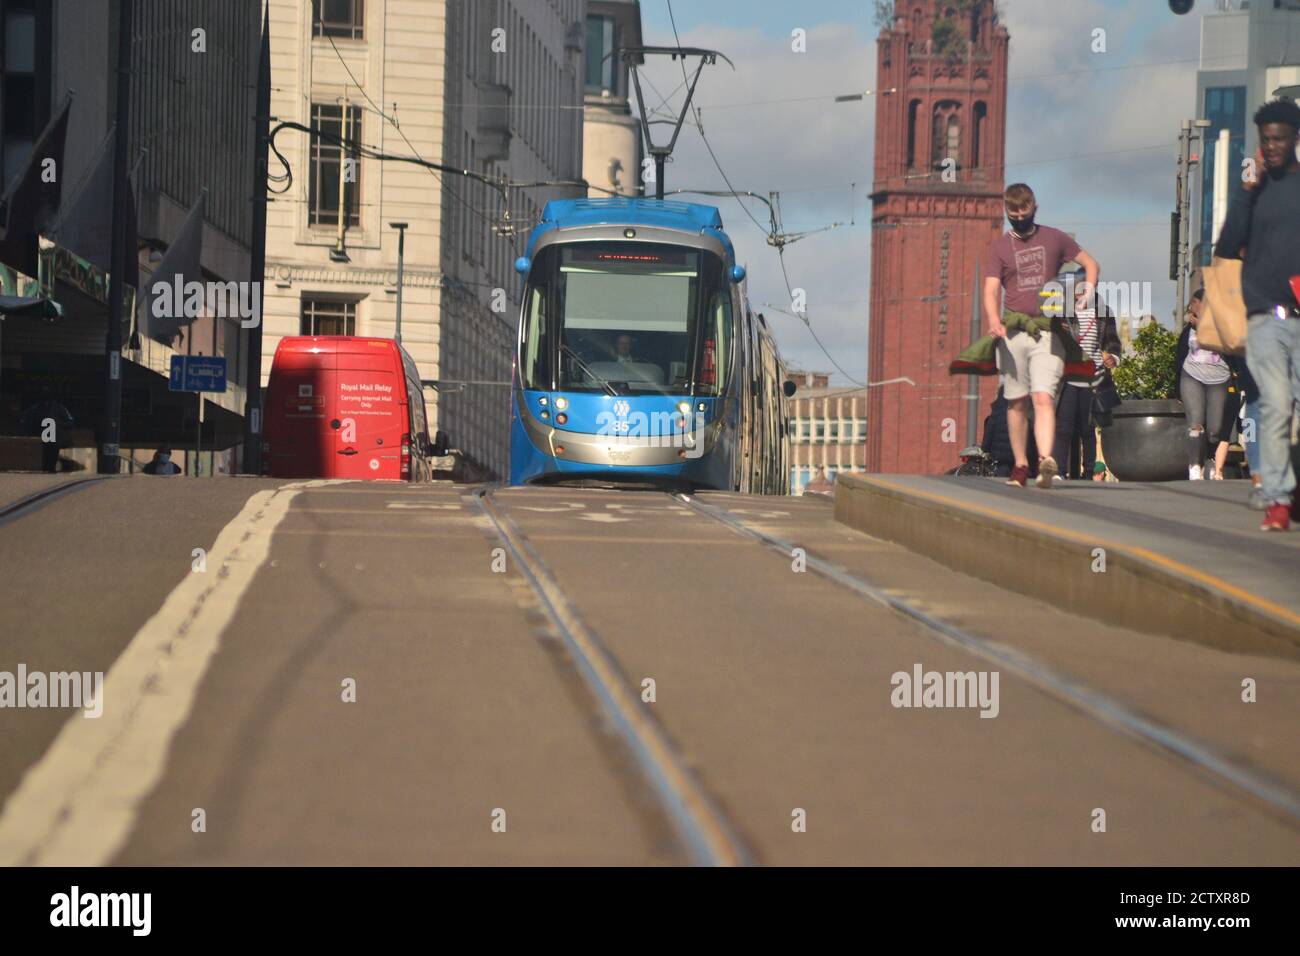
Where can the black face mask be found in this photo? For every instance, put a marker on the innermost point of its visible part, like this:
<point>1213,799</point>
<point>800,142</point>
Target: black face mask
<point>1022,226</point>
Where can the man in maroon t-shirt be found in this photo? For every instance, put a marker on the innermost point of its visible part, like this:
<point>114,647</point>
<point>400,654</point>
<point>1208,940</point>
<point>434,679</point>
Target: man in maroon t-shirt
<point>1020,263</point>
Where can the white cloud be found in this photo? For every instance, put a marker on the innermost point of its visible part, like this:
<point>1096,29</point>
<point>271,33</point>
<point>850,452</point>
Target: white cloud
<point>812,147</point>
<point>1076,122</point>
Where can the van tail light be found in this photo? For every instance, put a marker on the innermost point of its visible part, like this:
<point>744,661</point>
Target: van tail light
<point>406,455</point>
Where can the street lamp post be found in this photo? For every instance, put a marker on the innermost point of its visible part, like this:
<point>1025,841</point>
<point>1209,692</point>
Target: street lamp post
<point>1182,215</point>
<point>401,255</point>
<point>110,434</point>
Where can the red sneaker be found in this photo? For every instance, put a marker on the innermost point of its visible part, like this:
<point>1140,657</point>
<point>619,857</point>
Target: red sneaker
<point>1019,475</point>
<point>1276,518</point>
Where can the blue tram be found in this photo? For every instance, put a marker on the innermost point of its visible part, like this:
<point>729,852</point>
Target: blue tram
<point>639,359</point>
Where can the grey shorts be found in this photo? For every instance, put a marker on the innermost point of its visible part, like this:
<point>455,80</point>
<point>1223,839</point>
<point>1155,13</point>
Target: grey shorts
<point>1027,365</point>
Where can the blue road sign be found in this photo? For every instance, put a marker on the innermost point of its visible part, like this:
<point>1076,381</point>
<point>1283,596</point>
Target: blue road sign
<point>198,373</point>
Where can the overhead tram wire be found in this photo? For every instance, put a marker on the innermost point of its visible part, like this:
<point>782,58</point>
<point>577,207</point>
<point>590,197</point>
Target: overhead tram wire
<point>419,161</point>
<point>773,233</point>
<point>500,186</point>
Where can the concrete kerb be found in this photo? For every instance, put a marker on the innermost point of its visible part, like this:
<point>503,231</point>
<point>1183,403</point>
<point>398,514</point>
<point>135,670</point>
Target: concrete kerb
<point>1136,590</point>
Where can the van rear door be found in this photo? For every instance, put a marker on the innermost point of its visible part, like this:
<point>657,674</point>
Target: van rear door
<point>371,411</point>
<point>302,400</point>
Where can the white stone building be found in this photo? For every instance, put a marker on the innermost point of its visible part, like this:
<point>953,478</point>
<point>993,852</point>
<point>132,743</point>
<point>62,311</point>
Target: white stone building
<point>611,134</point>
<point>491,86</point>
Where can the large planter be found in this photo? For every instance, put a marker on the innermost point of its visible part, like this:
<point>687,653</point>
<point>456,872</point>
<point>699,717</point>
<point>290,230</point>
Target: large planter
<point>1147,440</point>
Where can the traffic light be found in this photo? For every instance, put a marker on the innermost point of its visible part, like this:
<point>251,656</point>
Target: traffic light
<point>1180,6</point>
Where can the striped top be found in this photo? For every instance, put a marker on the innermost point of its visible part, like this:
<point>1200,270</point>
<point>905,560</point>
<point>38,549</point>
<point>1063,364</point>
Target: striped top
<point>1089,339</point>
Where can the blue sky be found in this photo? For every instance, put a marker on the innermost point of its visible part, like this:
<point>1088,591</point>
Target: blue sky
<point>1094,132</point>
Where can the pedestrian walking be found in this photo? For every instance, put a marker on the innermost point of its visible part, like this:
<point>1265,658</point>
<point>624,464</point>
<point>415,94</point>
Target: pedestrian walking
<point>1203,378</point>
<point>997,439</point>
<point>162,464</point>
<point>1075,444</point>
<point>1248,427</point>
<point>49,420</point>
<point>1031,349</point>
<point>1263,221</point>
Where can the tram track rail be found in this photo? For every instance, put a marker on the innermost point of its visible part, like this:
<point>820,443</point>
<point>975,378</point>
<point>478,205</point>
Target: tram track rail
<point>37,500</point>
<point>1277,798</point>
<point>707,834</point>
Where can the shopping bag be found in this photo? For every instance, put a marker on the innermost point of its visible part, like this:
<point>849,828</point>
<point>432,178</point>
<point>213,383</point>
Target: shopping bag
<point>1222,324</point>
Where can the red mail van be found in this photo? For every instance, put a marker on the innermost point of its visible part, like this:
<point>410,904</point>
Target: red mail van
<point>342,406</point>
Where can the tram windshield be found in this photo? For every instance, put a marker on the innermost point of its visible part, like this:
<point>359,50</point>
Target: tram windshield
<point>626,317</point>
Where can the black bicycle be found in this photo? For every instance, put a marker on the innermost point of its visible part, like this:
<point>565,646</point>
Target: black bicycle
<point>976,463</point>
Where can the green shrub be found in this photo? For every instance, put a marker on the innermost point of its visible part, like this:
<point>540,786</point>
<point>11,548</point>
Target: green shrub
<point>1148,372</point>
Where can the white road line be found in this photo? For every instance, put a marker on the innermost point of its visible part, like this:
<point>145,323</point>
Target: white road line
<point>78,804</point>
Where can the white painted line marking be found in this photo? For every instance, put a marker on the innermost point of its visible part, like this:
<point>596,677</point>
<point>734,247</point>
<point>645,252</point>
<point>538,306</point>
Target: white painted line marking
<point>77,805</point>
<point>414,507</point>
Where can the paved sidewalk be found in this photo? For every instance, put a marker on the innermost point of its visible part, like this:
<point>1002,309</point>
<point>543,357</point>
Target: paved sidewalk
<point>1198,538</point>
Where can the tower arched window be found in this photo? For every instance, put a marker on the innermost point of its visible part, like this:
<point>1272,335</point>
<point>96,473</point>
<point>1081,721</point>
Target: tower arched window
<point>946,130</point>
<point>979,120</point>
<point>913,109</point>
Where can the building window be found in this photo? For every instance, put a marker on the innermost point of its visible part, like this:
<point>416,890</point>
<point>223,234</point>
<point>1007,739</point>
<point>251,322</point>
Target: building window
<point>326,151</point>
<point>338,18</point>
<point>328,317</point>
<point>600,62</point>
<point>977,134</point>
<point>912,110</point>
<point>946,143</point>
<point>1225,108</point>
<point>19,109</point>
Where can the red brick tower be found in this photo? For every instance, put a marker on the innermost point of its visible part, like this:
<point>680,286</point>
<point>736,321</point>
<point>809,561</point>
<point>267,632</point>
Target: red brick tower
<point>937,195</point>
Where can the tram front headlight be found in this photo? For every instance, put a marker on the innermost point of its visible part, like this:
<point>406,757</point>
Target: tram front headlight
<point>684,407</point>
<point>561,402</point>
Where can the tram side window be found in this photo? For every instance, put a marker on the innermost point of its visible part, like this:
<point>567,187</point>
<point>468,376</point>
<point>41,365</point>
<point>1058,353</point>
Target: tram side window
<point>536,370</point>
<point>717,343</point>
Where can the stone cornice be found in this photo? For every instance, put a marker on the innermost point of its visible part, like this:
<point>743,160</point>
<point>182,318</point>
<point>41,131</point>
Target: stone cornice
<point>287,272</point>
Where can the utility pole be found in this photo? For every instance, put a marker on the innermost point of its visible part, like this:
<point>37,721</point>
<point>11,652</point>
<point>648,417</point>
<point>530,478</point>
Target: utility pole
<point>252,461</point>
<point>630,55</point>
<point>401,254</point>
<point>340,253</point>
<point>111,435</point>
<point>973,381</point>
<point>1180,254</point>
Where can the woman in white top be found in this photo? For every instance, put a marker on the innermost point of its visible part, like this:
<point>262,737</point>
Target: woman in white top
<point>1203,378</point>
